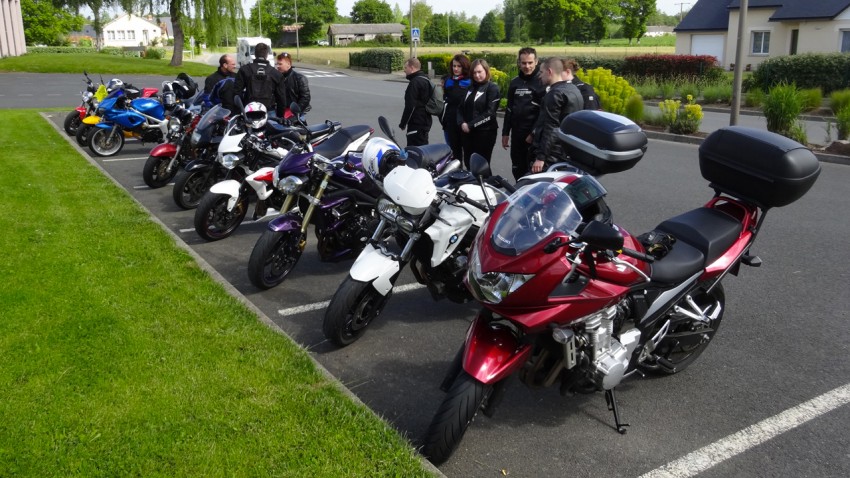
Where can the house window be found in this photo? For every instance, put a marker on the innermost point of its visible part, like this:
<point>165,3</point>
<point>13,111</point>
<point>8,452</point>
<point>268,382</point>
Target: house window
<point>110,34</point>
<point>120,34</point>
<point>131,34</point>
<point>761,43</point>
<point>845,41</point>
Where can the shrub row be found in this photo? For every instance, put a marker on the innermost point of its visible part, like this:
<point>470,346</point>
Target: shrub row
<point>37,50</point>
<point>829,71</point>
<point>672,66</point>
<point>383,59</point>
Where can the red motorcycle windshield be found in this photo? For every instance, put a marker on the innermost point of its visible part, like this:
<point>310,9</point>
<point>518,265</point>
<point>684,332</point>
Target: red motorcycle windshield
<point>534,213</point>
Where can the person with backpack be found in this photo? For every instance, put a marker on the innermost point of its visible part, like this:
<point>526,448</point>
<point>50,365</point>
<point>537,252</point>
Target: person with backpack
<point>415,118</point>
<point>588,94</point>
<point>477,114</point>
<point>525,94</point>
<point>455,85</point>
<point>257,81</point>
<point>293,86</point>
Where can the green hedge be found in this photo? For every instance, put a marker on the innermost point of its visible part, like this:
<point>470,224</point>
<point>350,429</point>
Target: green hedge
<point>383,59</point>
<point>675,67</point>
<point>829,71</point>
<point>36,50</point>
<point>439,61</point>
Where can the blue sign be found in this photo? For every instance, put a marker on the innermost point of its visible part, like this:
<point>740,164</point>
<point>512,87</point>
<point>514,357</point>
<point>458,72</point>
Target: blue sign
<point>414,34</point>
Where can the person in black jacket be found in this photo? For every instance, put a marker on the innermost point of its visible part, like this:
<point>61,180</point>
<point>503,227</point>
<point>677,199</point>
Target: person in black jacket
<point>293,86</point>
<point>226,69</point>
<point>562,99</point>
<point>455,85</point>
<point>588,94</point>
<point>258,80</point>
<point>525,93</point>
<point>477,114</point>
<point>415,118</point>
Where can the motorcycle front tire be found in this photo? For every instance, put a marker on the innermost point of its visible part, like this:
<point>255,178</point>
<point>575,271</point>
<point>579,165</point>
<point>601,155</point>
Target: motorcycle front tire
<point>353,307</point>
<point>72,122</point>
<point>213,221</point>
<point>101,145</point>
<point>274,256</point>
<point>155,172</point>
<point>82,134</point>
<point>463,401</point>
<point>190,187</point>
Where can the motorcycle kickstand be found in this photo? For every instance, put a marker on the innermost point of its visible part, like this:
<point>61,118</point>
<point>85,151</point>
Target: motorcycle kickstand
<point>611,400</point>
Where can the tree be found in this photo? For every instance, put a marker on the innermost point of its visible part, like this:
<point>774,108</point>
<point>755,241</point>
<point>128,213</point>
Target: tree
<point>437,31</point>
<point>516,22</point>
<point>46,24</point>
<point>492,29</point>
<point>422,14</point>
<point>371,11</point>
<point>312,16</point>
<point>463,32</point>
<point>398,16</point>
<point>635,15</point>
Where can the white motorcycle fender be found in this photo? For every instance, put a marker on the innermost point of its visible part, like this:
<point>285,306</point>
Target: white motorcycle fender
<point>260,186</point>
<point>373,266</point>
<point>229,187</point>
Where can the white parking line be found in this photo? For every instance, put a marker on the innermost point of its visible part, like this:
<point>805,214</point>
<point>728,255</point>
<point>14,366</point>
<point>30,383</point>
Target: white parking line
<point>322,305</point>
<point>123,159</point>
<point>737,443</point>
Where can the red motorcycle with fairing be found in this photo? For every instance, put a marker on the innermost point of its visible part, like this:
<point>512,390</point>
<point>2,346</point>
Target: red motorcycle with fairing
<point>576,302</point>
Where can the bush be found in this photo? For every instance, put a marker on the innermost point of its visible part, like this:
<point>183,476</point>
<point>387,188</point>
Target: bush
<point>441,63</point>
<point>668,89</point>
<point>842,119</point>
<point>154,53</point>
<point>688,88</point>
<point>782,107</point>
<point>691,67</point>
<point>798,133</point>
<point>36,50</point>
<point>382,59</point>
<point>648,88</point>
<point>613,91</point>
<point>634,109</point>
<point>502,79</point>
<point>830,71</point>
<point>717,94</point>
<point>754,98</point>
<point>812,98</point>
<point>838,100</point>
<point>681,121</point>
<point>111,50</point>
<point>86,43</point>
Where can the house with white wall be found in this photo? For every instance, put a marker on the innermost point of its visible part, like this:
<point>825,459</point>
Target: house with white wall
<point>130,30</point>
<point>774,28</point>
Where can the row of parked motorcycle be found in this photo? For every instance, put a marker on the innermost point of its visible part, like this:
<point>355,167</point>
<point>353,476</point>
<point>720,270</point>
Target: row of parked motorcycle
<point>567,297</point>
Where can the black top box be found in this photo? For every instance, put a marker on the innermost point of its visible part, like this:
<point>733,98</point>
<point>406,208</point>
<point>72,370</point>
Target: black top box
<point>602,143</point>
<point>758,166</point>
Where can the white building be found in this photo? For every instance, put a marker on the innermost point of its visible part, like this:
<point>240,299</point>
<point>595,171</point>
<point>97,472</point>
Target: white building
<point>12,41</point>
<point>130,30</point>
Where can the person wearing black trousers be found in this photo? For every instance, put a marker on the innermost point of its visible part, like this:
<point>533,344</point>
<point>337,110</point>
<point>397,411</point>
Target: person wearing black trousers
<point>525,94</point>
<point>455,85</point>
<point>477,114</point>
<point>414,117</point>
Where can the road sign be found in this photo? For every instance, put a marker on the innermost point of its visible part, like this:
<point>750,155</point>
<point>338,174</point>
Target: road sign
<point>414,34</point>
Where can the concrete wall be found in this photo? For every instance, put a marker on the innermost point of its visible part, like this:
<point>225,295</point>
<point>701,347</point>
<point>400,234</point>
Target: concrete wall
<point>12,41</point>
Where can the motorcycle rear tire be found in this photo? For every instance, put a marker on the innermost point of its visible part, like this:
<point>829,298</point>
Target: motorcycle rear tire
<point>463,401</point>
<point>680,357</point>
<point>101,145</point>
<point>274,256</point>
<point>72,122</point>
<point>190,187</point>
<point>353,307</point>
<point>213,221</point>
<point>155,172</point>
<point>82,134</point>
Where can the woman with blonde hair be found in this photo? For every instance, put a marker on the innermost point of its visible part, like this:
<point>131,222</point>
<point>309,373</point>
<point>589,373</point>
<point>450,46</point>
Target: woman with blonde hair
<point>477,114</point>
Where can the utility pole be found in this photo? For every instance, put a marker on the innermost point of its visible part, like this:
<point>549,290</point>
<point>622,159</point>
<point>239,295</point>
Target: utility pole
<point>260,15</point>
<point>410,32</point>
<point>681,8</point>
<point>739,64</point>
<point>297,30</point>
<point>448,29</point>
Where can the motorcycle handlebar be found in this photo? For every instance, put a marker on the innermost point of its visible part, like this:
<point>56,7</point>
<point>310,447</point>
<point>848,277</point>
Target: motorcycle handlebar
<point>463,198</point>
<point>637,255</point>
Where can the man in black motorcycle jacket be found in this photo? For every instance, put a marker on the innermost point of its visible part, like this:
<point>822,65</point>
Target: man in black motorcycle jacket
<point>226,69</point>
<point>588,94</point>
<point>258,80</point>
<point>293,86</point>
<point>414,117</point>
<point>525,94</point>
<point>562,99</point>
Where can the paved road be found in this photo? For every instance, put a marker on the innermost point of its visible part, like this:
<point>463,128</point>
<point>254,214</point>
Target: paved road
<point>783,342</point>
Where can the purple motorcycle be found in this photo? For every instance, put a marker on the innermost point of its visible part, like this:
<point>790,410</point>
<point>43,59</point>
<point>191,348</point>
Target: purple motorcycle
<point>337,196</point>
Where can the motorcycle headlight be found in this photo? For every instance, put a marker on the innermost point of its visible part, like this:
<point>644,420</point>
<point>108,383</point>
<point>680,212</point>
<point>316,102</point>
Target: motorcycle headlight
<point>196,138</point>
<point>87,95</point>
<point>394,213</point>
<point>492,287</point>
<point>229,161</point>
<point>290,184</point>
<point>174,125</point>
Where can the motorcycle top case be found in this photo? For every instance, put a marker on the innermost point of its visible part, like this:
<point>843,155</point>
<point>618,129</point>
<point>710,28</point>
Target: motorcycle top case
<point>602,143</point>
<point>755,165</point>
<point>149,107</point>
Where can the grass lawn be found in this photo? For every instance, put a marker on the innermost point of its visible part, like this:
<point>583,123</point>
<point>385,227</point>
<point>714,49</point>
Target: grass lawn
<point>98,63</point>
<point>121,357</point>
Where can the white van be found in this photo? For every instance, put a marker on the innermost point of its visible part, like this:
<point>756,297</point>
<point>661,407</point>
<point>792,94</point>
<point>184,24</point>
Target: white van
<point>245,49</point>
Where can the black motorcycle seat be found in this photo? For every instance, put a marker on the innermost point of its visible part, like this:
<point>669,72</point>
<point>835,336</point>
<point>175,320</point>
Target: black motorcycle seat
<point>702,235</point>
<point>339,141</point>
<point>427,156</point>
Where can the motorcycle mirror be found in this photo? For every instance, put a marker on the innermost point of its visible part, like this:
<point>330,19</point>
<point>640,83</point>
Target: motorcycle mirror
<point>295,108</point>
<point>387,129</point>
<point>601,236</point>
<point>479,166</point>
<point>237,100</point>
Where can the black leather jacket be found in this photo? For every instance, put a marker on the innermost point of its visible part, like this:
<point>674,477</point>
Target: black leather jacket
<point>415,97</point>
<point>562,99</point>
<point>525,93</point>
<point>214,78</point>
<point>293,87</point>
<point>478,109</point>
<point>454,92</point>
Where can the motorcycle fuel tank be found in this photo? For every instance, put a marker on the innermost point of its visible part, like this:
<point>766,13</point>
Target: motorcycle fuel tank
<point>149,107</point>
